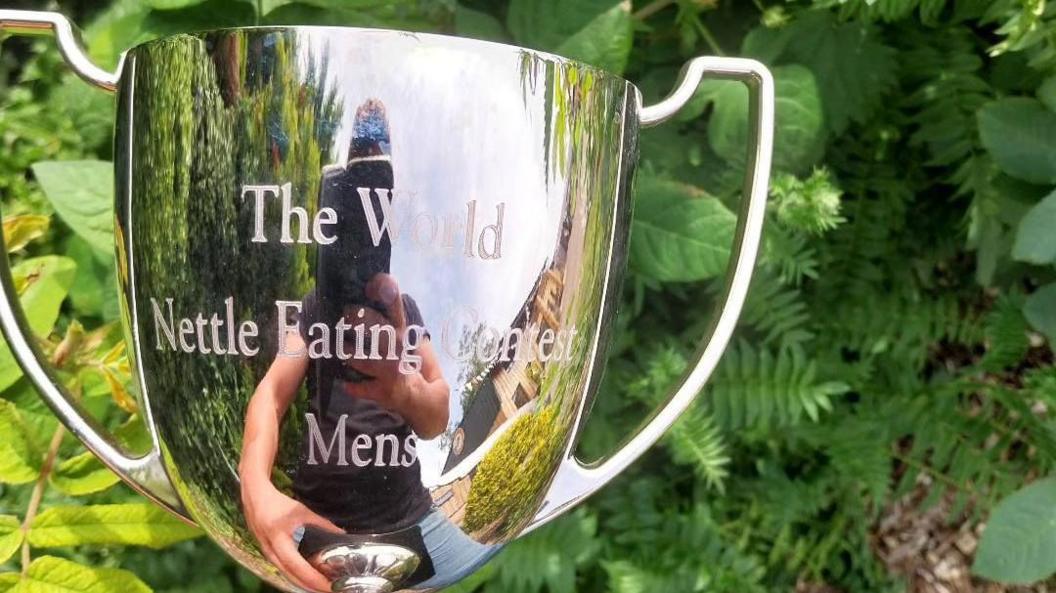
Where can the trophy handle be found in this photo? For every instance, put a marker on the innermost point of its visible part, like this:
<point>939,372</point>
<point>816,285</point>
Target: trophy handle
<point>146,474</point>
<point>32,22</point>
<point>574,479</point>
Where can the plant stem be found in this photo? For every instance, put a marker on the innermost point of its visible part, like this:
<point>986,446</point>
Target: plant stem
<point>652,8</point>
<point>38,493</point>
<point>945,479</point>
<point>705,33</point>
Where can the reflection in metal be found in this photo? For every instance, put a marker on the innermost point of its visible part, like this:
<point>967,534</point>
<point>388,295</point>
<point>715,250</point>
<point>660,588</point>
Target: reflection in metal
<point>368,279</point>
<point>366,567</point>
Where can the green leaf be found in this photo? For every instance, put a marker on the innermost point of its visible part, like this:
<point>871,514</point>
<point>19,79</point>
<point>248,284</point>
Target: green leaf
<point>8,581</point>
<point>10,537</point>
<point>1040,311</point>
<point>94,289</point>
<point>1035,240</point>
<point>83,474</point>
<point>598,32</point>
<point>547,559</point>
<point>1021,136</point>
<point>116,29</point>
<point>91,114</point>
<point>852,68</point>
<point>19,458</point>
<point>679,233</point>
<point>1047,93</point>
<point>203,16</point>
<point>398,14</point>
<point>1018,543</point>
<point>141,524</point>
<point>48,574</point>
<point>478,25</point>
<point>799,133</point>
<point>83,195</point>
<point>20,230</point>
<point>43,283</point>
<point>171,4</point>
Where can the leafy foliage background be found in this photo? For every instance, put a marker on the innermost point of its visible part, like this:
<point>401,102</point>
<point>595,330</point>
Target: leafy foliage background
<point>894,355</point>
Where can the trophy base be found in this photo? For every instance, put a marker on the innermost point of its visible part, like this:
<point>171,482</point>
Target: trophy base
<point>365,567</point>
<point>362,585</point>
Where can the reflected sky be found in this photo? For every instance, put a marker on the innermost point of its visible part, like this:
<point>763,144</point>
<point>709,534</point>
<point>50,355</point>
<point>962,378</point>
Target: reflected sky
<point>437,173</point>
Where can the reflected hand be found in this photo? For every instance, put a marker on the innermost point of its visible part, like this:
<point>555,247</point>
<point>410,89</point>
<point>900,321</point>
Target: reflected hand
<point>273,518</point>
<point>386,385</point>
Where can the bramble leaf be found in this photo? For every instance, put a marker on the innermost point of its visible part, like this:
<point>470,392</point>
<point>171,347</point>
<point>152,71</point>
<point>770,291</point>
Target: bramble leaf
<point>1047,93</point>
<point>42,283</point>
<point>19,458</point>
<point>1040,310</point>
<point>171,4</point>
<point>1021,136</point>
<point>478,25</point>
<point>852,67</point>
<point>20,230</point>
<point>48,574</point>
<point>141,524</point>
<point>10,537</point>
<point>1020,536</point>
<point>83,474</point>
<point>598,32</point>
<point>83,195</point>
<point>799,133</point>
<point>679,232</point>
<point>1035,240</point>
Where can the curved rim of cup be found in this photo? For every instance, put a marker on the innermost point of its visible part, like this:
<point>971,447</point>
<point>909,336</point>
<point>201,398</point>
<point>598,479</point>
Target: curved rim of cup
<point>338,29</point>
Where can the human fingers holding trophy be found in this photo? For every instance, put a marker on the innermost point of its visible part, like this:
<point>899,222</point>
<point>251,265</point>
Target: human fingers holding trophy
<point>368,279</point>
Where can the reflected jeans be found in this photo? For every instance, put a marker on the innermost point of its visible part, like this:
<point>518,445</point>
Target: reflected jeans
<point>455,555</point>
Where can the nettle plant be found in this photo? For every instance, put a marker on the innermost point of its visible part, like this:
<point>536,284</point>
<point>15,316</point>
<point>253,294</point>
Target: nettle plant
<point>894,359</point>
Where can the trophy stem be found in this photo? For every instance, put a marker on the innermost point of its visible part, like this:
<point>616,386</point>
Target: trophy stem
<point>363,585</point>
<point>365,567</point>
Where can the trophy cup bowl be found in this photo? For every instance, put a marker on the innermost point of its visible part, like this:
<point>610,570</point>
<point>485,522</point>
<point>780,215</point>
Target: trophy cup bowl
<point>367,279</point>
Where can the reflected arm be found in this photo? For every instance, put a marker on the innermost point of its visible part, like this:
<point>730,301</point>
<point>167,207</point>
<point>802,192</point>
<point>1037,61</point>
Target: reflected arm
<point>266,409</point>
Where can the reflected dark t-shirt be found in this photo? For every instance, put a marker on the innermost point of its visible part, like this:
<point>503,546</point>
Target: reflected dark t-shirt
<point>379,487</point>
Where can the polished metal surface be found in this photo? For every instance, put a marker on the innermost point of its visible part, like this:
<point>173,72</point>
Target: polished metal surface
<point>368,279</point>
<point>366,567</point>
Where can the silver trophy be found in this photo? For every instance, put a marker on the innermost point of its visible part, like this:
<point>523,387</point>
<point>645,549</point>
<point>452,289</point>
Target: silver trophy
<point>368,278</point>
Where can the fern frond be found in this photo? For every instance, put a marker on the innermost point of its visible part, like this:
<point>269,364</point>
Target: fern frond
<point>692,555</point>
<point>792,254</point>
<point>777,312</point>
<point>696,441</point>
<point>1006,334</point>
<point>945,71</point>
<point>547,559</point>
<point>1026,26</point>
<point>756,388</point>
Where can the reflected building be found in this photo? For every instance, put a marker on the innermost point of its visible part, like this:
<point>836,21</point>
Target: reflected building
<point>508,388</point>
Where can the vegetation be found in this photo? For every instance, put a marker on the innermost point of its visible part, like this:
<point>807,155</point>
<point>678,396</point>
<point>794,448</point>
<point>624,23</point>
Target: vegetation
<point>508,481</point>
<point>894,358</point>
